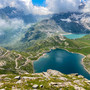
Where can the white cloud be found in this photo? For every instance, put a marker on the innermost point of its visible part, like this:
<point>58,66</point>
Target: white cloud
<point>25,5</point>
<point>10,24</point>
<point>11,30</point>
<point>87,7</point>
<point>53,6</point>
<point>57,6</point>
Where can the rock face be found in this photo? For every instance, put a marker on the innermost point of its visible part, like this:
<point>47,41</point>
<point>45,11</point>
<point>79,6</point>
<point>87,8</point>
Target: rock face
<point>50,80</point>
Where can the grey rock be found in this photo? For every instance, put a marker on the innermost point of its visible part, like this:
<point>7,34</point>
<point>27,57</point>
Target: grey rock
<point>18,77</point>
<point>35,86</point>
<point>63,78</point>
<point>41,86</point>
<point>78,88</point>
<point>54,72</point>
<point>88,81</point>
<point>18,82</point>
<point>80,76</point>
<point>30,78</point>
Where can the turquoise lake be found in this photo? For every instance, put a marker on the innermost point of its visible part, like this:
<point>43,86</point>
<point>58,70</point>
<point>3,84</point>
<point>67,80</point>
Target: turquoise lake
<point>63,61</point>
<point>74,36</point>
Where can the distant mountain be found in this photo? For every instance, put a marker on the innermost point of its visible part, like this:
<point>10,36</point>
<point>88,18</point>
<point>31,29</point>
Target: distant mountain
<point>73,22</point>
<point>65,22</point>
<point>59,24</point>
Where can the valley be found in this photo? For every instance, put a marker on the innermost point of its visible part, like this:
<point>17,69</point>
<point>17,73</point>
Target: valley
<point>44,45</point>
<point>27,44</point>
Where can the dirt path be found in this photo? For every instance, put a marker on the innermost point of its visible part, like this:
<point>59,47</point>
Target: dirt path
<point>7,52</point>
<point>27,61</point>
<point>17,60</point>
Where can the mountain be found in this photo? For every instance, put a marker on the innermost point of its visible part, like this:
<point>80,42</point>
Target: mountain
<point>73,22</point>
<point>65,22</point>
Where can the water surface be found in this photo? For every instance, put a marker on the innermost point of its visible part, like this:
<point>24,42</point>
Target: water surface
<point>62,61</point>
<point>74,36</point>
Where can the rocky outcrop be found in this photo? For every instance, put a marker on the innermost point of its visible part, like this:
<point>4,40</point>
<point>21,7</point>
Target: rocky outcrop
<point>52,80</point>
<point>54,73</point>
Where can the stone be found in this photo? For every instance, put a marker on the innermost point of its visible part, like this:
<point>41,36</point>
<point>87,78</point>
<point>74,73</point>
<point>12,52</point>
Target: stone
<point>46,74</point>
<point>30,78</point>
<point>1,84</point>
<point>63,78</point>
<point>73,78</point>
<point>7,79</point>
<point>77,81</point>
<point>54,72</point>
<point>80,76</point>
<point>2,89</point>
<point>18,77</point>
<point>35,86</point>
<point>60,89</point>
<point>41,86</point>
<point>72,75</point>
<point>88,81</point>
<point>76,74</point>
<point>78,88</point>
<point>19,82</point>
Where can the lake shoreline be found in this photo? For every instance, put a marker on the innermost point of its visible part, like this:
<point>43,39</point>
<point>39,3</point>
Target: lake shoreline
<point>82,61</point>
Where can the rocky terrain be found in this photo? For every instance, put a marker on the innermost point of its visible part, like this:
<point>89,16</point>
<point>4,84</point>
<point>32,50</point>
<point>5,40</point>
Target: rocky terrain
<point>50,80</point>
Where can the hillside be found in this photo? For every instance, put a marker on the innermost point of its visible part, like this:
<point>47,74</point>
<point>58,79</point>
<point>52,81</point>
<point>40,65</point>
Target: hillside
<point>12,62</point>
<point>50,80</point>
<point>84,48</point>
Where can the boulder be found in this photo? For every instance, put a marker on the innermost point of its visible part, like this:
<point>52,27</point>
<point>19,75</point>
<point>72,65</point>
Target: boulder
<point>30,78</point>
<point>80,76</point>
<point>88,81</point>
<point>41,86</point>
<point>18,77</point>
<point>35,86</point>
<point>19,82</point>
<point>72,75</point>
<point>54,72</point>
<point>1,84</point>
<point>63,78</point>
<point>46,74</point>
<point>78,88</point>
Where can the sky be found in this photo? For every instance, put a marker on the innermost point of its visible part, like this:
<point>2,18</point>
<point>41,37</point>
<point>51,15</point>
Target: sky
<point>39,2</point>
<point>45,7</point>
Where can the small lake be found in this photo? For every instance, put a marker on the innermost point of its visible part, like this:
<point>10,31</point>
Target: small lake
<point>62,61</point>
<point>74,36</point>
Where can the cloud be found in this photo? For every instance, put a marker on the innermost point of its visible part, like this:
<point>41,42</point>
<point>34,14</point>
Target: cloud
<point>57,6</point>
<point>52,6</point>
<point>87,7</point>
<point>10,24</point>
<point>11,30</point>
<point>26,6</point>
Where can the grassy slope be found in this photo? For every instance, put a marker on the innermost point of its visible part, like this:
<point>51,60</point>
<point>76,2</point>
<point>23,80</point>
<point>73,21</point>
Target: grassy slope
<point>40,47</point>
<point>84,48</point>
<point>8,61</point>
<point>81,45</point>
<point>71,81</point>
